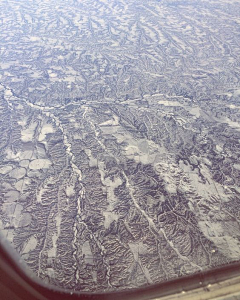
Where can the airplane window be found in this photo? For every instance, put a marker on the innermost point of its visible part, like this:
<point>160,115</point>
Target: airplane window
<point>120,139</point>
